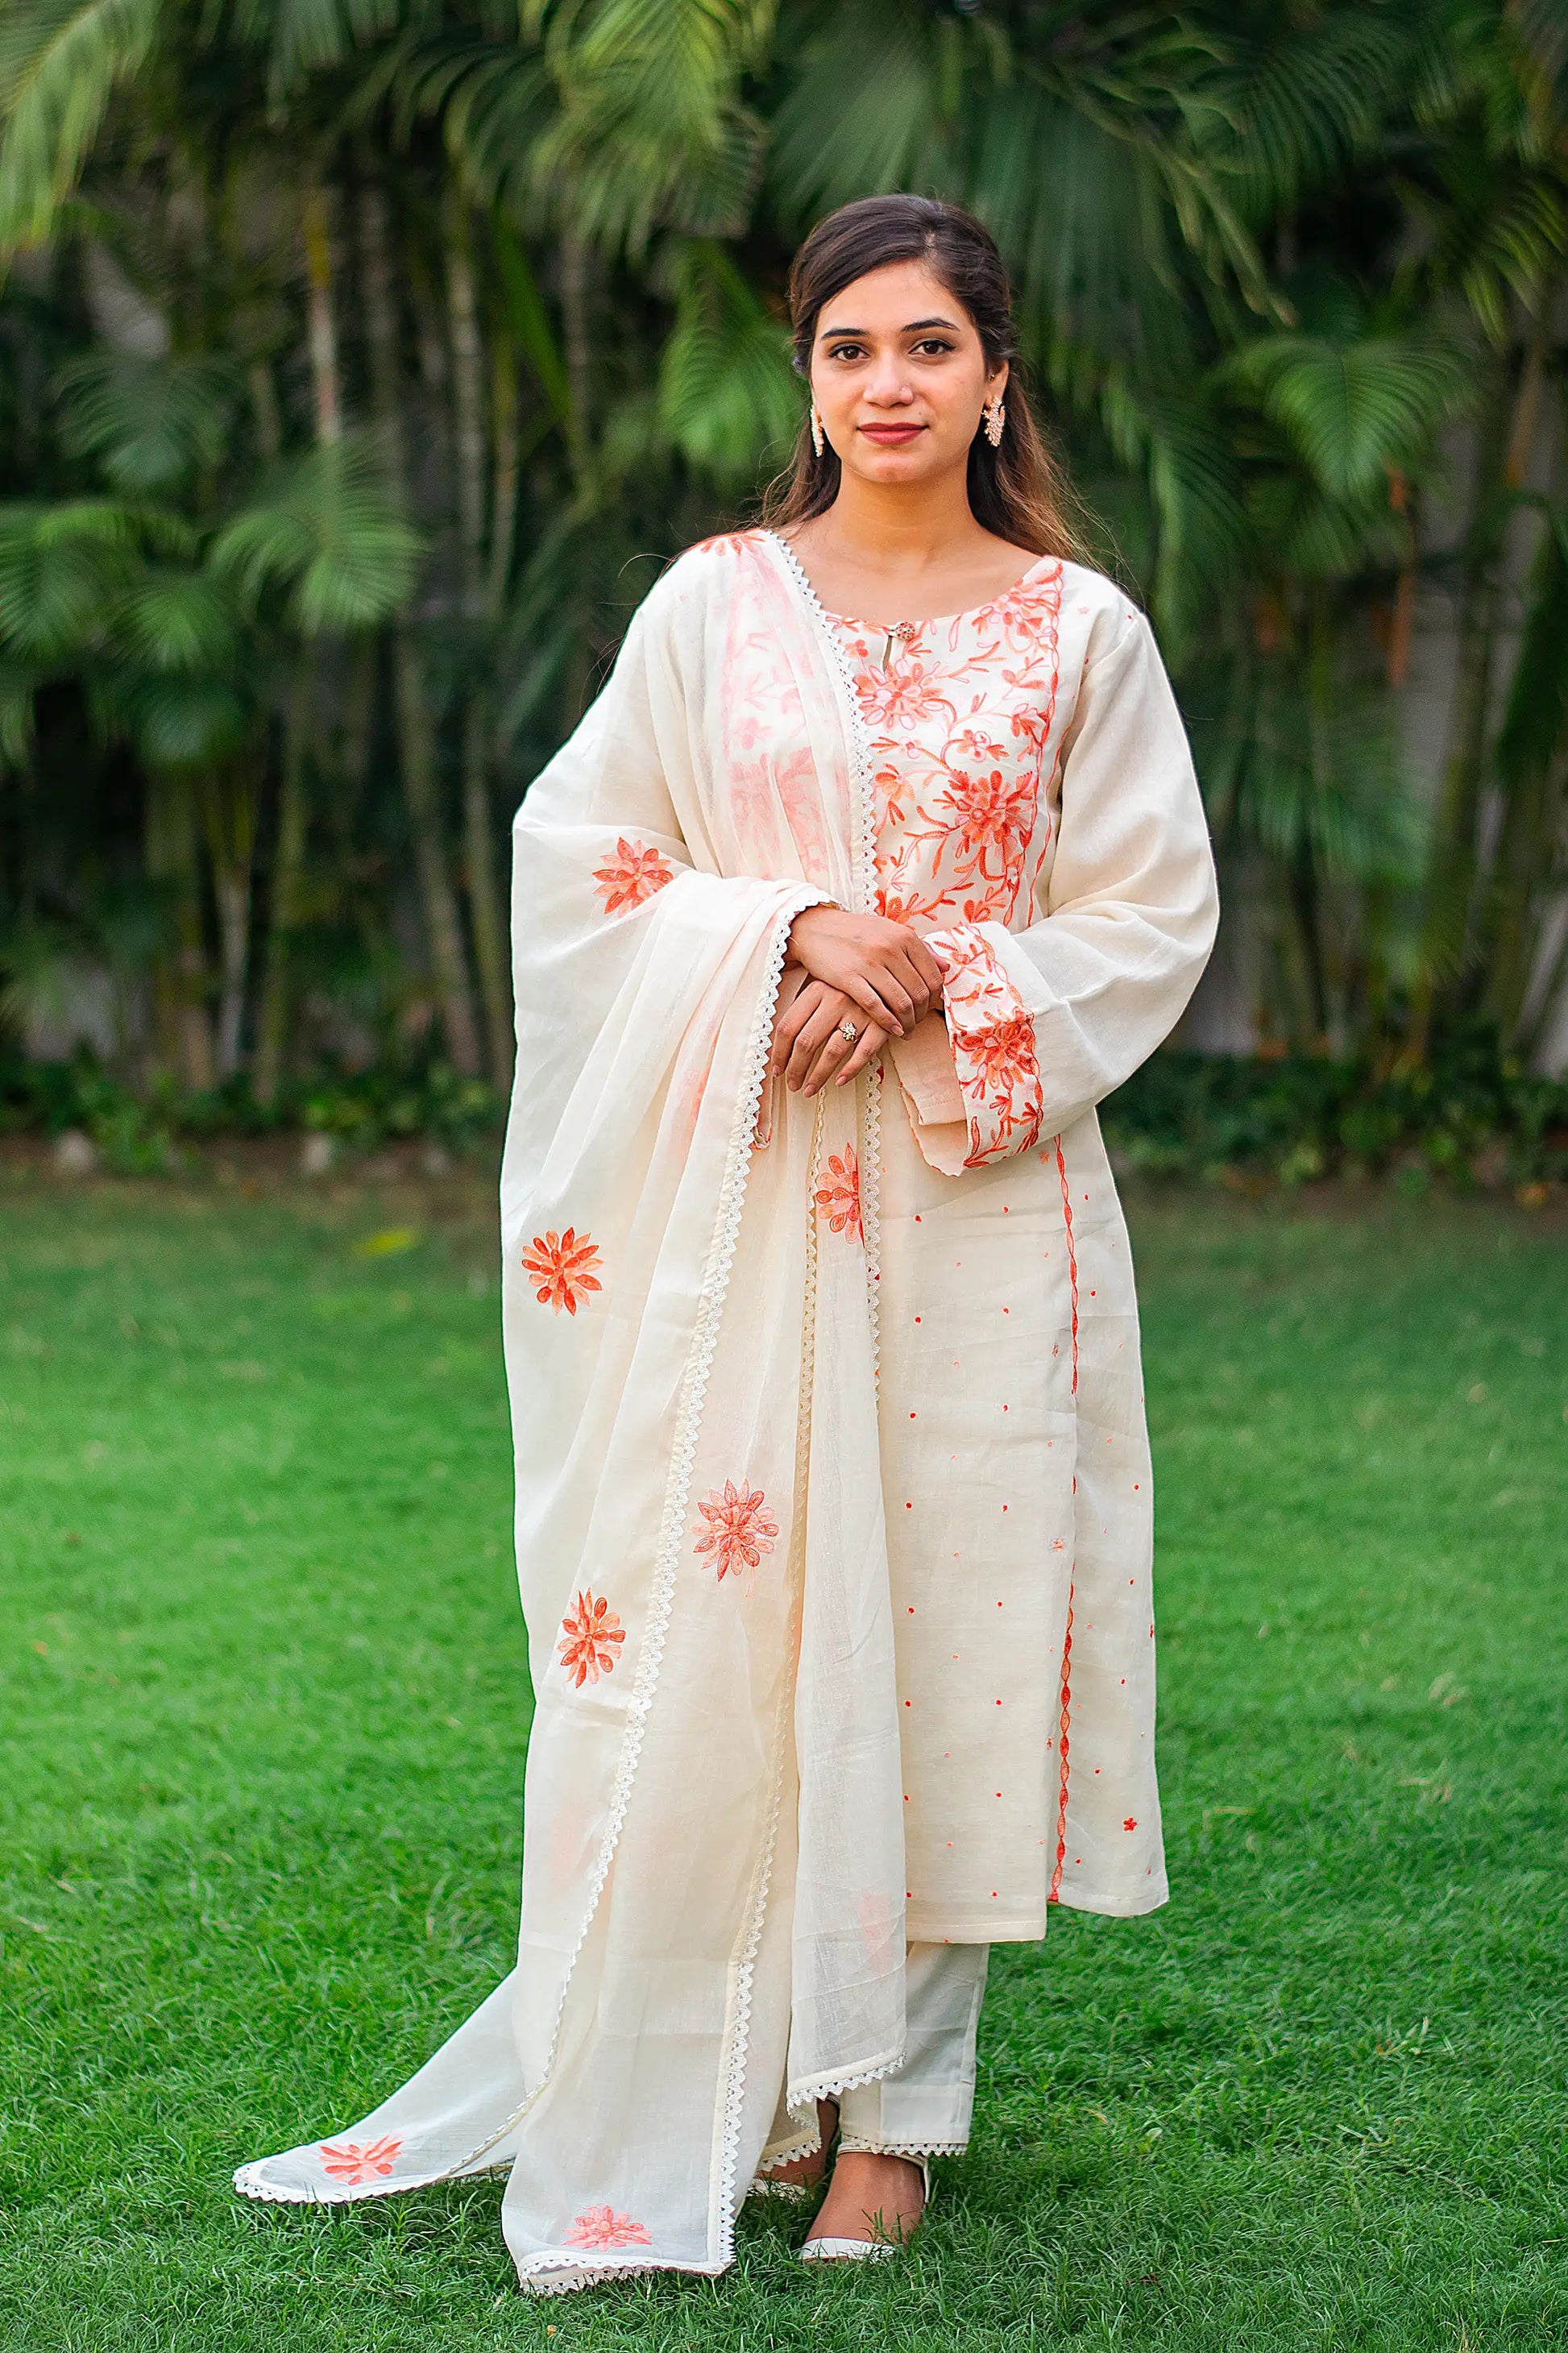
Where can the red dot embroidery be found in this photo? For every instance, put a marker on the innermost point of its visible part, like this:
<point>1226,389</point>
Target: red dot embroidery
<point>1130,1824</point>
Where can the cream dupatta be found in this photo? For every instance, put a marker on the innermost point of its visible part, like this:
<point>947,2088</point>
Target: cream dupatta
<point>712,1896</point>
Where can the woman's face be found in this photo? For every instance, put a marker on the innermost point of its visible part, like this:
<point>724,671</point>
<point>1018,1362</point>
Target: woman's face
<point>898,374</point>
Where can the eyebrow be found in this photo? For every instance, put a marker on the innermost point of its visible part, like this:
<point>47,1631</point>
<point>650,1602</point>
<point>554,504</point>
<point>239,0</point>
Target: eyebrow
<point>914,328</point>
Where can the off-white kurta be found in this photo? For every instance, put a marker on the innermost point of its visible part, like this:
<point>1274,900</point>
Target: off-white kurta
<point>969,724</point>
<point>827,1656</point>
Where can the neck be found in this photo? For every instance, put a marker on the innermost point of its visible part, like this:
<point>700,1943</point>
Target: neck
<point>900,529</point>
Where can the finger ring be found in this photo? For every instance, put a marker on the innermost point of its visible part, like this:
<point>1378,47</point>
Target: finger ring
<point>847,1029</point>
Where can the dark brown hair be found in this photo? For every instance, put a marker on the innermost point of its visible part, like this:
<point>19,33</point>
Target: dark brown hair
<point>1014,490</point>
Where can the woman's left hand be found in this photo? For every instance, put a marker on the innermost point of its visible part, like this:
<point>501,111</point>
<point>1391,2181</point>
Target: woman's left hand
<point>810,1045</point>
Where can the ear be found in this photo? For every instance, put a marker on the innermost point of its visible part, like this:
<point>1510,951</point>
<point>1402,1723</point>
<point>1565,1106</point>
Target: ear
<point>997,384</point>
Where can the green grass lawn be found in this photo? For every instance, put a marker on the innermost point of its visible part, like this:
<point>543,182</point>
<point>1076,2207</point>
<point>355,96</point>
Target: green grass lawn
<point>262,1720</point>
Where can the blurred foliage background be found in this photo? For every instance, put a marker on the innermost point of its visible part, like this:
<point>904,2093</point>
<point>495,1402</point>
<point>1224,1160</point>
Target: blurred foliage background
<point>361,361</point>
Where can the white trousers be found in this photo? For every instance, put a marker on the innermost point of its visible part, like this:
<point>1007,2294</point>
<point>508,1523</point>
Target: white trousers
<point>924,2110</point>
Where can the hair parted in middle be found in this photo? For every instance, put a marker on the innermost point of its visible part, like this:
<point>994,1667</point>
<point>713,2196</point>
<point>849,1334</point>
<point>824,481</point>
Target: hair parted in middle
<point>1015,488</point>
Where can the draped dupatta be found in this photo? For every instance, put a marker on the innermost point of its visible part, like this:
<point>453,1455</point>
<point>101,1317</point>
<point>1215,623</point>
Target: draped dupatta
<point>714,1880</point>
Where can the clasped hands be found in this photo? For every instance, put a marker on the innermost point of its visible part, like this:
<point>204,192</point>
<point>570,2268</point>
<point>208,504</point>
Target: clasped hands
<point>879,974</point>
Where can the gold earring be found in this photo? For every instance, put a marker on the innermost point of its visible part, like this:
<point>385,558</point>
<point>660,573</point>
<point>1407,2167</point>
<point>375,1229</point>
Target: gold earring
<point>816,435</point>
<point>995,418</point>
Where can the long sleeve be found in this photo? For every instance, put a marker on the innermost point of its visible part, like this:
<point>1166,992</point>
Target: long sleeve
<point>1045,1022</point>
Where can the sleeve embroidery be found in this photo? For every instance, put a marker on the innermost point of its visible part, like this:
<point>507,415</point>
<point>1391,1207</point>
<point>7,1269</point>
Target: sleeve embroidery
<point>993,1039</point>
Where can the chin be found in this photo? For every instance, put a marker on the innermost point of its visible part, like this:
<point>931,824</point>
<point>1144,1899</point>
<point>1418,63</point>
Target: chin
<point>911,465</point>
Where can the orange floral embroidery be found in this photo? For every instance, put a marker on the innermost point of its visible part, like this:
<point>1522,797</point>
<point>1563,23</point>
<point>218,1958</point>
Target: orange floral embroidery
<point>601,2226</point>
<point>739,1529</point>
<point>355,2161</point>
<point>563,1266</point>
<point>632,876</point>
<point>993,1048</point>
<point>839,1198</point>
<point>591,1636</point>
<point>960,715</point>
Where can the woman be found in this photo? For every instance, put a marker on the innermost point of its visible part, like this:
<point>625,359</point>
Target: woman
<point>833,922</point>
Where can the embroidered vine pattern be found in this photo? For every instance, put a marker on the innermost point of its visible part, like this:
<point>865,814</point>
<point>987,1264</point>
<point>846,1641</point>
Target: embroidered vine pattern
<point>957,723</point>
<point>993,1040</point>
<point>1064,1721</point>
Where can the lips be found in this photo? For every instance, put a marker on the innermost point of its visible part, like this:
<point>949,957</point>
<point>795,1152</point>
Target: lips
<point>894,435</point>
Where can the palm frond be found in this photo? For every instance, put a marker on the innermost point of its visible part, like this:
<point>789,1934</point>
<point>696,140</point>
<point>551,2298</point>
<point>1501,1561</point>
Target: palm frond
<point>60,64</point>
<point>61,569</point>
<point>1350,411</point>
<point>19,683</point>
<point>176,622</point>
<point>150,423</point>
<point>726,390</point>
<point>329,537</point>
<point>175,721</point>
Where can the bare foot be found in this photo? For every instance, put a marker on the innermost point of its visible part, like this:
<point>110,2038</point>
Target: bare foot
<point>872,2197</point>
<point>806,2172</point>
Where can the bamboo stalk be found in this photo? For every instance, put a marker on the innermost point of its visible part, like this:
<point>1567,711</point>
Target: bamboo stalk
<point>472,467</point>
<point>417,733</point>
<point>283,914</point>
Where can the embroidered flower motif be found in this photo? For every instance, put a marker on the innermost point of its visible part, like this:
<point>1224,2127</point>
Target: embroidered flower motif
<point>1130,1823</point>
<point>739,1529</point>
<point>990,814</point>
<point>591,1636</point>
<point>601,2226</point>
<point>563,1266</point>
<point>632,875</point>
<point>839,1198</point>
<point>1002,1058</point>
<point>356,2161</point>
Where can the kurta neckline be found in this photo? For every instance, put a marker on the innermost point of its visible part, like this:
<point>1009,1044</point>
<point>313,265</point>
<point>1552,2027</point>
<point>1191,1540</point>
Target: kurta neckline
<point>933,620</point>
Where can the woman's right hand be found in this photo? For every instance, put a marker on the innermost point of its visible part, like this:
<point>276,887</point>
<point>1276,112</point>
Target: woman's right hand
<point>886,967</point>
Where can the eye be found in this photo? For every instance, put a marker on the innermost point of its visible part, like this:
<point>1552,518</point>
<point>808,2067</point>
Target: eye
<point>938,343</point>
<point>846,351</point>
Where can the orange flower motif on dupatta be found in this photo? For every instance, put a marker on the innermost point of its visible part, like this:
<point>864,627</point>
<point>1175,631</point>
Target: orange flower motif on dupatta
<point>738,1529</point>
<point>839,1197</point>
<point>355,2161</point>
<point>591,1636</point>
<point>562,1265</point>
<point>601,2226</point>
<point>632,875</point>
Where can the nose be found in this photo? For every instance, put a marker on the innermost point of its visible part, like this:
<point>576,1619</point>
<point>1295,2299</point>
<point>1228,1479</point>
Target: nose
<point>889,388</point>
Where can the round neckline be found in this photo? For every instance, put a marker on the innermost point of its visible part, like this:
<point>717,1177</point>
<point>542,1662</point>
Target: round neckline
<point>932,621</point>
